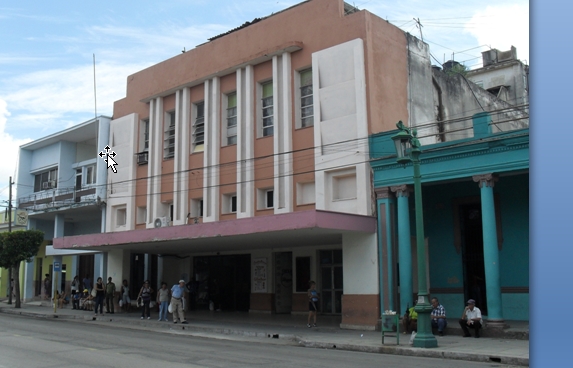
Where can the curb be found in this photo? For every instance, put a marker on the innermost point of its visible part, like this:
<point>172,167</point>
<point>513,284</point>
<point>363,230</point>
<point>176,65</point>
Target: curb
<point>394,350</point>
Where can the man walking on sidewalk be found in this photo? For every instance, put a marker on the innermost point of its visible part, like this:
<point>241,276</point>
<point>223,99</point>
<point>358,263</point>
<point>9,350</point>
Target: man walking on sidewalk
<point>177,293</point>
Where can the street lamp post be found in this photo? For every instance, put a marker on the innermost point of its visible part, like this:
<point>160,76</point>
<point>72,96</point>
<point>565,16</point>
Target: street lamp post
<point>408,150</point>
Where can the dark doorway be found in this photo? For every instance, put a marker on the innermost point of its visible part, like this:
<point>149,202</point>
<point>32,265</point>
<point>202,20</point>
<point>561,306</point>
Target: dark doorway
<point>137,274</point>
<point>224,280</point>
<point>86,267</point>
<point>331,279</point>
<point>472,255</point>
<point>283,282</point>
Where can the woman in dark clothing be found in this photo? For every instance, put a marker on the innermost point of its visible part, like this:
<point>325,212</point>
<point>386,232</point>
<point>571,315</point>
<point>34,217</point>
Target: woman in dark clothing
<point>145,295</point>
<point>100,295</point>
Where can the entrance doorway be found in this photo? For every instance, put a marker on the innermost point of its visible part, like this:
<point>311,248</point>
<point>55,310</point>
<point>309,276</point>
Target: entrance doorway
<point>472,255</point>
<point>283,282</point>
<point>331,281</point>
<point>224,280</point>
<point>86,267</point>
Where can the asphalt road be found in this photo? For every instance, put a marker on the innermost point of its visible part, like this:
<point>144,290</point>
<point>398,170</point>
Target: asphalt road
<point>29,342</point>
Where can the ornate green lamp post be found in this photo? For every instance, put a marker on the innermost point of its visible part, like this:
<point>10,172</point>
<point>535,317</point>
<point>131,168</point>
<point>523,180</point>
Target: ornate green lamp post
<point>408,150</point>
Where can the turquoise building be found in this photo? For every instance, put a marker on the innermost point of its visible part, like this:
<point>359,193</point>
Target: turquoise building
<point>475,194</point>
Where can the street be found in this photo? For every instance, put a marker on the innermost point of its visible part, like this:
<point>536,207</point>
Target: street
<point>30,342</point>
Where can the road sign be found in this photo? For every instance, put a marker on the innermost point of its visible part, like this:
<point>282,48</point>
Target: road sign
<point>57,267</point>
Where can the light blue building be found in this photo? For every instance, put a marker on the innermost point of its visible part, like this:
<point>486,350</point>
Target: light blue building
<point>61,183</point>
<point>475,186</point>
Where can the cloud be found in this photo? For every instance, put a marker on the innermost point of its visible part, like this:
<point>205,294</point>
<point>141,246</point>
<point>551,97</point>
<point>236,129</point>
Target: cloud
<point>502,26</point>
<point>10,147</point>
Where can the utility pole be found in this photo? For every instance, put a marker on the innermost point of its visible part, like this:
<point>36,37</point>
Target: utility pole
<point>10,230</point>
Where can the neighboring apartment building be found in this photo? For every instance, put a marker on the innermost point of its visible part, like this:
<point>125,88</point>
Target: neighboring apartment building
<point>503,75</point>
<point>244,164</point>
<point>61,185</point>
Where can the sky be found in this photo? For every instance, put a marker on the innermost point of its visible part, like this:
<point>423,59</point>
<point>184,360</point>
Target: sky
<point>47,50</point>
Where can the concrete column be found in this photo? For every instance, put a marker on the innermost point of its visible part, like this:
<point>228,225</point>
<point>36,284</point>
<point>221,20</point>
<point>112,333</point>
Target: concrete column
<point>56,276</point>
<point>28,289</point>
<point>100,266</point>
<point>404,247</point>
<point>159,272</point>
<point>490,249</point>
<point>386,203</point>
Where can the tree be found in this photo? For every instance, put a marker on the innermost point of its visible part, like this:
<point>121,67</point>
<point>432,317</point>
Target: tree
<point>457,69</point>
<point>16,247</point>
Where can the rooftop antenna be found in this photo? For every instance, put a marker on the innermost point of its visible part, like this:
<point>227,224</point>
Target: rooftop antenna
<point>419,26</point>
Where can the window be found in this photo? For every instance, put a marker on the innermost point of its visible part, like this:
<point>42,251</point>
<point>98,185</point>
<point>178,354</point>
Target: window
<point>229,203</point>
<point>269,198</point>
<point>306,99</point>
<point>79,179</point>
<point>265,198</point>
<point>305,193</point>
<point>234,204</point>
<point>91,174</point>
<point>199,127</point>
<point>120,217</point>
<point>141,215</point>
<point>145,128</point>
<point>196,208</point>
<point>267,109</point>
<point>344,187</point>
<point>232,118</point>
<point>46,180</point>
<point>169,140</point>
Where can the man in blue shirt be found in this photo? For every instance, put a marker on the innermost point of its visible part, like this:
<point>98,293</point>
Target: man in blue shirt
<point>177,293</point>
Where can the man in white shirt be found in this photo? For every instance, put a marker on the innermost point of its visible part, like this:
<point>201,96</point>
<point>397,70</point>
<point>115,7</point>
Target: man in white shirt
<point>471,318</point>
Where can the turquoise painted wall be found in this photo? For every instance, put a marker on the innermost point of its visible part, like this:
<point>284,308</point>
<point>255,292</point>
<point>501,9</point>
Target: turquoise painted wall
<point>446,264</point>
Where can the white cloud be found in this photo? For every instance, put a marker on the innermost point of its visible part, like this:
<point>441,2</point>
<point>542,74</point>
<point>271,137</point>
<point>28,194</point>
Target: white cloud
<point>10,147</point>
<point>502,26</point>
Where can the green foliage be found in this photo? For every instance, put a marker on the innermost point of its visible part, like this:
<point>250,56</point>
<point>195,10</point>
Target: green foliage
<point>19,246</point>
<point>458,69</point>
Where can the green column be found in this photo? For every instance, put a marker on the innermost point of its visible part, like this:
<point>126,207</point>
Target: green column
<point>404,248</point>
<point>490,248</point>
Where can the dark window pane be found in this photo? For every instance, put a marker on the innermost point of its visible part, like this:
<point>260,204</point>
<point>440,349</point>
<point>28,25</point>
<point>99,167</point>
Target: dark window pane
<point>306,90</point>
<point>308,121</point>
<point>268,121</point>
<point>338,278</point>
<point>326,278</point>
<point>325,257</point>
<point>337,256</point>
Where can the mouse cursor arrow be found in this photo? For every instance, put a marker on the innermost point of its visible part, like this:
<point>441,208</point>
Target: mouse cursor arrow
<point>111,163</point>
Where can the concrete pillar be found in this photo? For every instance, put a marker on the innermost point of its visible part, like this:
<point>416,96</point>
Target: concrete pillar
<point>490,249</point>
<point>100,266</point>
<point>28,289</point>
<point>404,248</point>
<point>385,209</point>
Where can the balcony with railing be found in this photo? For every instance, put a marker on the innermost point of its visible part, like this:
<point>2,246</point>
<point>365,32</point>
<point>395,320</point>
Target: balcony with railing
<point>58,198</point>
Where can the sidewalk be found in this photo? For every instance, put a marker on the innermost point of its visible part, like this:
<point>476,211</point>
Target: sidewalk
<point>273,328</point>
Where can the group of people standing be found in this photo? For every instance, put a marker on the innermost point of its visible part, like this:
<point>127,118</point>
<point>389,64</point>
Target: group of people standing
<point>471,318</point>
<point>165,296</point>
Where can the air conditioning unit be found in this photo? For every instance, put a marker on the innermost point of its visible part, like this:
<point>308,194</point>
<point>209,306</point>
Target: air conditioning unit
<point>142,158</point>
<point>161,222</point>
<point>46,185</point>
